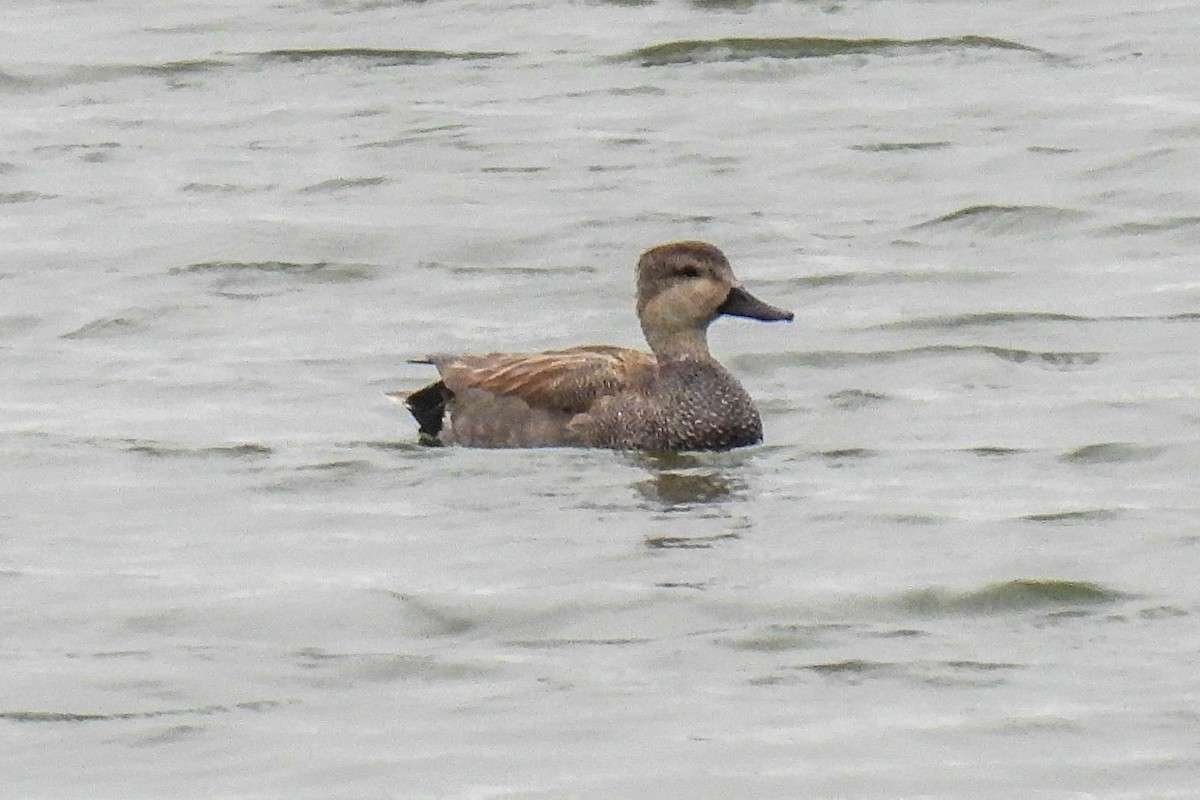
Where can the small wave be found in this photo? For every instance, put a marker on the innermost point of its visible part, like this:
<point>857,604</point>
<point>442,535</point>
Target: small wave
<point>347,466</point>
<point>851,666</point>
<point>706,5</point>
<point>385,667</point>
<point>557,644</point>
<point>375,56</point>
<point>15,83</point>
<point>743,49</point>
<point>996,219</point>
<point>778,638</point>
<point>885,278</point>
<point>894,147</point>
<point>74,147</point>
<point>450,132</point>
<point>1158,225</point>
<point>1075,515</point>
<point>687,542</point>
<point>1051,151</point>
<point>197,187</point>
<point>24,196</point>
<point>325,271</point>
<point>177,72</point>
<point>992,451</point>
<point>837,458</point>
<point>1010,596</point>
<point>388,446</point>
<point>931,673</point>
<point>338,184</point>
<point>160,450</point>
<point>176,68</point>
<point>982,318</point>
<point>499,269</point>
<point>202,711</point>
<point>855,666</point>
<point>173,72</point>
<point>854,399</point>
<point>836,359</point>
<point>915,519</point>
<point>304,477</point>
<point>1111,453</point>
<point>1057,360</point>
<point>108,327</point>
<point>514,170</point>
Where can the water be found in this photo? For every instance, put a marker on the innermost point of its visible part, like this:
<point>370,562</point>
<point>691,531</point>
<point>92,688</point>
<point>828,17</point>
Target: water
<point>962,565</point>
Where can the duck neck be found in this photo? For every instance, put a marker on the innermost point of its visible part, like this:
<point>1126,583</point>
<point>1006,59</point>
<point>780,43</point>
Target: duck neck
<point>679,345</point>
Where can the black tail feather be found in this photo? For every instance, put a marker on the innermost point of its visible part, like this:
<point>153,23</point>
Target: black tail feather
<point>428,405</point>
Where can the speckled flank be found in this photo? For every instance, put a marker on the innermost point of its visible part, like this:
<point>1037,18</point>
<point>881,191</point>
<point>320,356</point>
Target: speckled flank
<point>693,405</point>
<point>679,398</point>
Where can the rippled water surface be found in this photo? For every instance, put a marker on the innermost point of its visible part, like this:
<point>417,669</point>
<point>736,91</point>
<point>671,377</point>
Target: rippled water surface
<point>962,565</point>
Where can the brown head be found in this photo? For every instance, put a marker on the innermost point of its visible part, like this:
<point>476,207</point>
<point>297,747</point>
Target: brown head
<point>684,286</point>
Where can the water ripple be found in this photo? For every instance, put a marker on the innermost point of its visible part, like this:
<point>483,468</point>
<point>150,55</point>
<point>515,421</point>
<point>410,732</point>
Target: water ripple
<point>321,271</point>
<point>72,716</point>
<point>1111,453</point>
<point>836,359</point>
<point>1167,224</point>
<point>375,56</point>
<point>107,327</point>
<point>1011,596</point>
<point>338,184</point>
<point>892,147</point>
<point>982,318</point>
<point>825,279</point>
<point>173,72</point>
<point>1074,515</point>
<point>687,542</point>
<point>929,673</point>
<point>23,196</point>
<point>854,399</point>
<point>743,49</point>
<point>996,219</point>
<point>987,318</point>
<point>241,450</point>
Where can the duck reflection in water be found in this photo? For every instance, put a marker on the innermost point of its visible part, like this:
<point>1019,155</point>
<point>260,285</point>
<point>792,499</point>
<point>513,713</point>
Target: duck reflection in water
<point>684,480</point>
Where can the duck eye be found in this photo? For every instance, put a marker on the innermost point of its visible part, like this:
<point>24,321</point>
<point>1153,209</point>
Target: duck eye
<point>688,272</point>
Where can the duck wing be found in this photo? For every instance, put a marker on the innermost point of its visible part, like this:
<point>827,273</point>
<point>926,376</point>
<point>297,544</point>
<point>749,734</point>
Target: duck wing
<point>570,380</point>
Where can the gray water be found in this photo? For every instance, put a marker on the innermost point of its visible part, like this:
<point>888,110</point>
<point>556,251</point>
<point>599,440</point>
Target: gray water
<point>962,565</point>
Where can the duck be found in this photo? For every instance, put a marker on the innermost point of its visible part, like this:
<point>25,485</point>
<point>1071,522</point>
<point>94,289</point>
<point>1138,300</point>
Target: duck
<point>675,398</point>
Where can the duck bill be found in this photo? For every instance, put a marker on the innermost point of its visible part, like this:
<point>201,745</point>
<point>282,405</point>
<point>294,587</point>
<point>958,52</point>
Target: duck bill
<point>741,303</point>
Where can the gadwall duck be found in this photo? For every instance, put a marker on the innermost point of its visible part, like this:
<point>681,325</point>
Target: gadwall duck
<point>679,398</point>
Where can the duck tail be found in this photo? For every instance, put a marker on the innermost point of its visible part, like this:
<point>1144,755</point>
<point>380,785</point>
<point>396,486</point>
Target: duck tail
<point>428,406</point>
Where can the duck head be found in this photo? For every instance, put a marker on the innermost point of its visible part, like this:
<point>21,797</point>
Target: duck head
<point>682,287</point>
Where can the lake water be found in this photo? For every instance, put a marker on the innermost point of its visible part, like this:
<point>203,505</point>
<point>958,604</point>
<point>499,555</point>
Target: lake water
<point>962,565</point>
